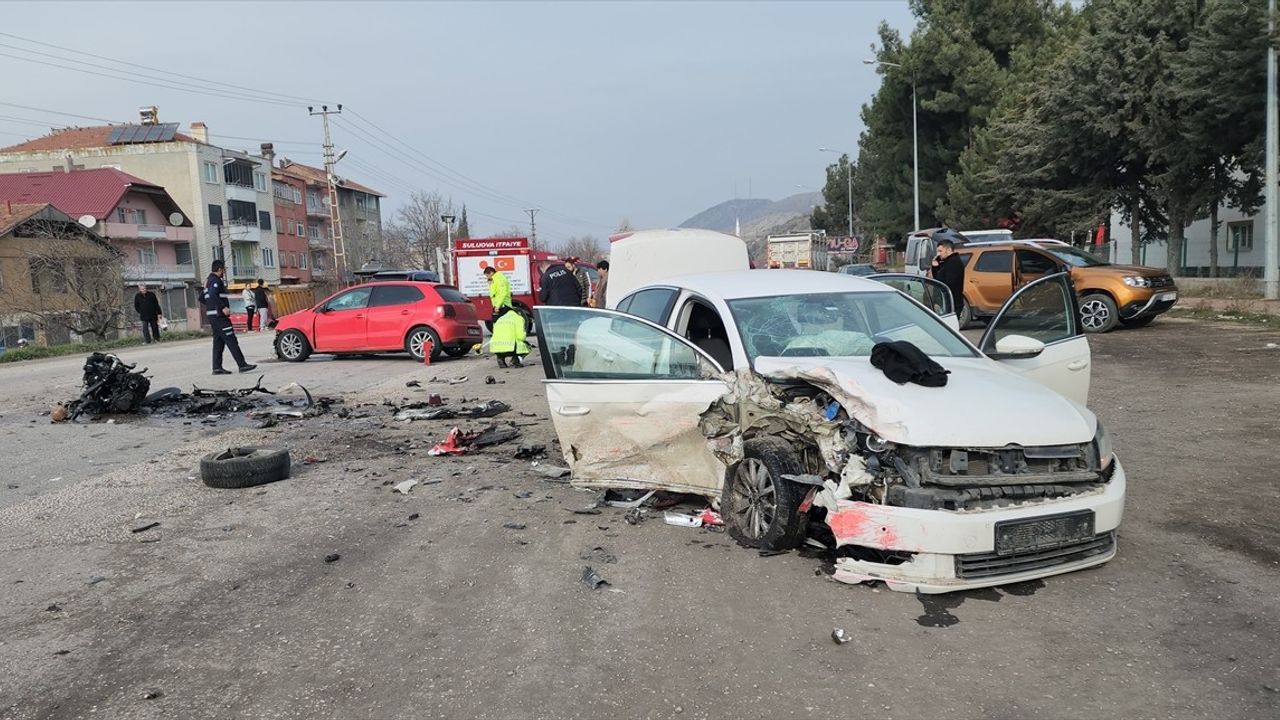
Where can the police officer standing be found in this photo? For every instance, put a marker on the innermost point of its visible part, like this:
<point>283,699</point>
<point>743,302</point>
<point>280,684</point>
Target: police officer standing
<point>218,311</point>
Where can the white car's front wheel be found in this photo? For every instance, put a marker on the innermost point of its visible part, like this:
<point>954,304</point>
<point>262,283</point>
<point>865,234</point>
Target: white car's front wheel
<point>760,508</point>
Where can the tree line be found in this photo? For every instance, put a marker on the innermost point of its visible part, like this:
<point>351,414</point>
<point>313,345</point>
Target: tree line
<point>1046,116</point>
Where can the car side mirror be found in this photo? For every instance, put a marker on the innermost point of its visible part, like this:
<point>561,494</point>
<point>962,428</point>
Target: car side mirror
<point>322,309</point>
<point>1016,347</point>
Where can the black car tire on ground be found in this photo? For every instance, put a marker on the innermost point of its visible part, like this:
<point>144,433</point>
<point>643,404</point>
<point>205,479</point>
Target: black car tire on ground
<point>417,337</point>
<point>292,346</point>
<point>759,508</point>
<point>1098,313</point>
<point>243,467</point>
<point>162,394</point>
<point>1141,322</point>
<point>965,317</point>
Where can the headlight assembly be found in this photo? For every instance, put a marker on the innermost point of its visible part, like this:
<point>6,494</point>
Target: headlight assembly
<point>1102,442</point>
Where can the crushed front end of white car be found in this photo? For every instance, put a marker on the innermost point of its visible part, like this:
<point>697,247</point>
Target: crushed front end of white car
<point>931,489</point>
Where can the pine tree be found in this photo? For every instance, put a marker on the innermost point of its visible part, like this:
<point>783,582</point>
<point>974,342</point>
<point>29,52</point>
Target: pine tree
<point>464,230</point>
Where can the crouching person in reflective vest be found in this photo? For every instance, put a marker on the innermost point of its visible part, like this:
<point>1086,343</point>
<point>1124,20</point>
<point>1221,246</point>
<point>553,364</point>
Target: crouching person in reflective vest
<point>508,340</point>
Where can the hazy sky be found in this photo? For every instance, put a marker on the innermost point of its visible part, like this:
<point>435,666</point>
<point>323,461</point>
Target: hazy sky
<point>593,111</point>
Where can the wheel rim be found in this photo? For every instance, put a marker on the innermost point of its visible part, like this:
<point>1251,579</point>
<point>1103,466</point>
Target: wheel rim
<point>418,342</point>
<point>291,346</point>
<point>1094,314</point>
<point>755,500</point>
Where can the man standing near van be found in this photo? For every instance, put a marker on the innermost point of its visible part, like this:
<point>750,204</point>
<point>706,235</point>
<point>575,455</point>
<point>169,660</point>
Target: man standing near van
<point>218,312</point>
<point>948,269</point>
<point>584,280</point>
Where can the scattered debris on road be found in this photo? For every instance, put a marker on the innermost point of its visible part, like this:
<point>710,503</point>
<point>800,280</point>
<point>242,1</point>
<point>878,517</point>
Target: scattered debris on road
<point>332,557</point>
<point>514,526</point>
<point>110,386</point>
<point>840,637</point>
<point>421,411</point>
<point>591,578</point>
<point>244,467</point>
<point>144,524</point>
<point>404,487</point>
<point>460,443</point>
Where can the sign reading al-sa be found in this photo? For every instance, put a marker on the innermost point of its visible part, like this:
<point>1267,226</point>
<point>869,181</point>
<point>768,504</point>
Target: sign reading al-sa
<point>509,255</point>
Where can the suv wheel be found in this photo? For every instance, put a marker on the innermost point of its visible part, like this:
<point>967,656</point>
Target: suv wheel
<point>965,318</point>
<point>760,508</point>
<point>1098,313</point>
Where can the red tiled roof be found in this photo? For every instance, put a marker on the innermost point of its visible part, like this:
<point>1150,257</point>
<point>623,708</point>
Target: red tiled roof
<point>316,175</point>
<point>93,192</point>
<point>75,138</point>
<point>14,214</point>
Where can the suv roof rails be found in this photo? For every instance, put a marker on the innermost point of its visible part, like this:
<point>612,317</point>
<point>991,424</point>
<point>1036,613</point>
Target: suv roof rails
<point>1032,242</point>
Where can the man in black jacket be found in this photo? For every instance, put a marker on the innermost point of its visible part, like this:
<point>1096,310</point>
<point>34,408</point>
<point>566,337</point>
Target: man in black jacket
<point>147,306</point>
<point>217,310</point>
<point>560,287</point>
<point>948,269</point>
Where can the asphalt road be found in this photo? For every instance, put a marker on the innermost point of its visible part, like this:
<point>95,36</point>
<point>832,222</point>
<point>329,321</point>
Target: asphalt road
<point>436,609</point>
<point>44,460</point>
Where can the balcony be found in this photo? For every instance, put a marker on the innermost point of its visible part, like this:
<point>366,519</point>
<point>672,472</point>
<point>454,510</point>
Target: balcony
<point>238,232</point>
<point>122,231</point>
<point>245,272</point>
<point>241,193</point>
<point>158,273</point>
<point>317,210</point>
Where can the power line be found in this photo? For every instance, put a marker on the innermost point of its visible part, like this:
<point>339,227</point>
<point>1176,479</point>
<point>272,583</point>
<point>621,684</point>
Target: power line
<point>56,112</point>
<point>165,72</point>
<point>163,84</point>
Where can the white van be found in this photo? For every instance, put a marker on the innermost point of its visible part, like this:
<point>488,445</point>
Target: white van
<point>637,258</point>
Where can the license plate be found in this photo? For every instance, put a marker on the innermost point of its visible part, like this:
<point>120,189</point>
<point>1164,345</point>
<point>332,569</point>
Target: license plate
<point>473,331</point>
<point>1166,297</point>
<point>1043,533</point>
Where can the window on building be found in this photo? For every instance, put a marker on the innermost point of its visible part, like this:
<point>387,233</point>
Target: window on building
<point>299,229</point>
<point>372,204</point>
<point>122,215</point>
<point>313,232</point>
<point>264,219</point>
<point>239,173</point>
<point>302,260</point>
<point>260,182</point>
<point>215,214</point>
<point>146,256</point>
<point>242,213</point>
<point>182,253</point>
<point>268,257</point>
<point>360,201</point>
<point>48,277</point>
<point>140,216</point>
<point>1240,236</point>
<point>211,172</point>
<point>11,334</point>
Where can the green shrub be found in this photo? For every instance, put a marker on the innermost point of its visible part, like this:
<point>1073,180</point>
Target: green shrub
<point>35,352</point>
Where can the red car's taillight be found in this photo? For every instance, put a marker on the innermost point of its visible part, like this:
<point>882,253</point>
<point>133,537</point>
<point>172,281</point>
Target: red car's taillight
<point>447,311</point>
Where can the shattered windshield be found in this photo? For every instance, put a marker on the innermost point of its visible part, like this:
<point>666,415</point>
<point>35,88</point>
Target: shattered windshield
<point>844,324</point>
<point>1075,257</point>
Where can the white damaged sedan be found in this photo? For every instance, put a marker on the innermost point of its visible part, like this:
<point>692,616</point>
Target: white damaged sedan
<point>757,388</point>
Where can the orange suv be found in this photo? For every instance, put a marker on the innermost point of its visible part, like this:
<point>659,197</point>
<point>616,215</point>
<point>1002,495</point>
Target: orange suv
<point>1110,295</point>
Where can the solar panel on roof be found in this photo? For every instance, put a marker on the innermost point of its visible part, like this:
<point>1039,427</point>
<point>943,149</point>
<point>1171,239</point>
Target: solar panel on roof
<point>148,133</point>
<point>132,133</point>
<point>167,131</point>
<point>114,137</point>
<point>128,134</point>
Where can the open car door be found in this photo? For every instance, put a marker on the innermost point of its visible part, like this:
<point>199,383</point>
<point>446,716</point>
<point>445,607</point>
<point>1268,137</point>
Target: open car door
<point>626,397</point>
<point>926,291</point>
<point>1037,333</point>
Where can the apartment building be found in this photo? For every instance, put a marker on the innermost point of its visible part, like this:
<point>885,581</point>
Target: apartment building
<point>226,194</point>
<point>359,206</point>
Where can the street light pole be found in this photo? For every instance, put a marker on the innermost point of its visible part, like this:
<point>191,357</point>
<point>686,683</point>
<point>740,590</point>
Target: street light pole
<point>915,136</point>
<point>448,241</point>
<point>1271,257</point>
<point>848,175</point>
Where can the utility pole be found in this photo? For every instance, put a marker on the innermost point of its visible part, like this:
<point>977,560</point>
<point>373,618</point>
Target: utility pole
<point>533,228</point>
<point>335,215</point>
<point>1271,257</point>
<point>447,272</point>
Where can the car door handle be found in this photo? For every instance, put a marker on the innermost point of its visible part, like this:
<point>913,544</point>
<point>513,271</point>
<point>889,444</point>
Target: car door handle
<point>404,312</point>
<point>572,411</point>
<point>359,317</point>
<point>1078,365</point>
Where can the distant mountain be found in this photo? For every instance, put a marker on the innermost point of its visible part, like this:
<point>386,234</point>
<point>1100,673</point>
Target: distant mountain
<point>759,218</point>
<point>723,216</point>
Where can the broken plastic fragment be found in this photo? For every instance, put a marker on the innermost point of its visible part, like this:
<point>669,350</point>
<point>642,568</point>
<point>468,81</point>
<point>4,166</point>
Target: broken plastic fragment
<point>592,578</point>
<point>404,487</point>
<point>840,636</point>
<point>682,520</point>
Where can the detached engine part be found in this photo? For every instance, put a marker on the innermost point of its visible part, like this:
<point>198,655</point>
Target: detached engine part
<point>110,386</point>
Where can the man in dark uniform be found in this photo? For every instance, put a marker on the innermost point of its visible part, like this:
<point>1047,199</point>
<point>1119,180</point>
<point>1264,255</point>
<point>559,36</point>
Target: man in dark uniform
<point>560,287</point>
<point>218,311</point>
<point>948,269</point>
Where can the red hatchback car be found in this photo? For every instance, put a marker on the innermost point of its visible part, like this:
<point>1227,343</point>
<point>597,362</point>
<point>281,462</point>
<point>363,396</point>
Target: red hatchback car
<point>382,317</point>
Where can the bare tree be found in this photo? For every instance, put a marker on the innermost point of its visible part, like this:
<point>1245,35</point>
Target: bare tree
<point>418,231</point>
<point>75,280</point>
<point>586,247</point>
